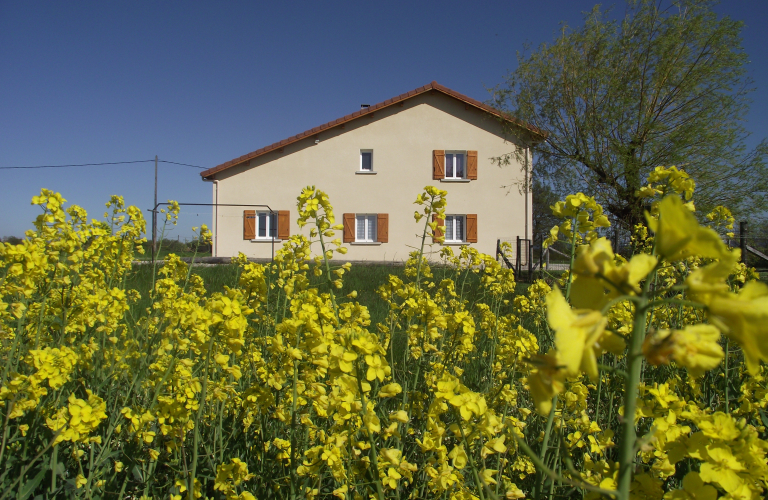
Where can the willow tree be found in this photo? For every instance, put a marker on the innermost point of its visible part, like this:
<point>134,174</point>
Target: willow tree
<point>665,85</point>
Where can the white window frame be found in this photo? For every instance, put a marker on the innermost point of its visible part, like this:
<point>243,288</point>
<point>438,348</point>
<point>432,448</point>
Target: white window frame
<point>360,167</point>
<point>369,222</point>
<point>452,167</point>
<point>270,221</point>
<point>451,238</point>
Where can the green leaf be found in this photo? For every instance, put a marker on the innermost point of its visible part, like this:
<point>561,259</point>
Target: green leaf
<point>30,486</point>
<point>137,474</point>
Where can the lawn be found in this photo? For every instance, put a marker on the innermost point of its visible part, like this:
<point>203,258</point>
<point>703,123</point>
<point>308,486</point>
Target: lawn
<point>364,279</point>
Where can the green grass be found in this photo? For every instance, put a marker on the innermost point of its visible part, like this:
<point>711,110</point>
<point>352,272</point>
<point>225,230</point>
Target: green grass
<point>162,254</point>
<point>180,248</point>
<point>365,279</point>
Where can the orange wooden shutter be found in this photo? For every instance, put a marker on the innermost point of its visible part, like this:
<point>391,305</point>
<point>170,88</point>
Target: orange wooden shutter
<point>349,228</point>
<point>438,164</point>
<point>283,224</point>
<point>438,232</point>
<point>472,228</point>
<point>249,224</point>
<point>382,228</point>
<point>472,165</point>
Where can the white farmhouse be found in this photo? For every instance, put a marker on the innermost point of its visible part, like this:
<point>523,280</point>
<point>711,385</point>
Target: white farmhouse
<point>373,163</point>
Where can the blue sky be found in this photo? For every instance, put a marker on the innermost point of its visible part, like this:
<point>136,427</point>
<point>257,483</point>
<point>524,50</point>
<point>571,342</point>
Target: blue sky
<point>205,82</point>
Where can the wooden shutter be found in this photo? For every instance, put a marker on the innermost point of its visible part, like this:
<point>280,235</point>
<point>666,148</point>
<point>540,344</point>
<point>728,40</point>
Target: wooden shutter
<point>438,232</point>
<point>472,228</point>
<point>349,228</point>
<point>249,224</point>
<point>382,228</point>
<point>438,164</point>
<point>283,224</point>
<point>472,165</point>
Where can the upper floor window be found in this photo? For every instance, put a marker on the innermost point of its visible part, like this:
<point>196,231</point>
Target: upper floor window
<point>366,160</point>
<point>454,164</point>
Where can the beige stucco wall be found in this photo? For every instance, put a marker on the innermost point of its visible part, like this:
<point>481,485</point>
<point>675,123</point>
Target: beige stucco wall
<point>402,140</point>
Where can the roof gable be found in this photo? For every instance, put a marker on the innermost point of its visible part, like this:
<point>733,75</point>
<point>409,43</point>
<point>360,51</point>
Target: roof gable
<point>368,111</point>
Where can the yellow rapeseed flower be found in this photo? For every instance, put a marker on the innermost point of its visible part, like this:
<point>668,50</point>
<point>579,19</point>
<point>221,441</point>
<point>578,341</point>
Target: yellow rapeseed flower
<point>546,381</point>
<point>679,235</point>
<point>580,336</point>
<point>695,347</point>
<point>390,390</point>
<point>377,367</point>
<point>596,271</point>
<point>693,489</point>
<point>744,318</point>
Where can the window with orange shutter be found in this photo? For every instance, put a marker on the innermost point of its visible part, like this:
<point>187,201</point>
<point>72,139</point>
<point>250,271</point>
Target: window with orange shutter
<point>265,225</point>
<point>461,228</point>
<point>366,228</point>
<point>454,165</point>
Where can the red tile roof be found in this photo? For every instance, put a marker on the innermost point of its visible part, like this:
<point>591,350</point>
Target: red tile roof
<point>367,111</point>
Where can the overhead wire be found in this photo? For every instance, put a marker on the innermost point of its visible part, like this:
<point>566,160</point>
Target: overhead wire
<point>78,165</point>
<point>100,164</point>
<point>184,164</point>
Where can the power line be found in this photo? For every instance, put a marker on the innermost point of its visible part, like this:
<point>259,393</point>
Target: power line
<point>184,164</point>
<point>99,164</point>
<point>78,165</point>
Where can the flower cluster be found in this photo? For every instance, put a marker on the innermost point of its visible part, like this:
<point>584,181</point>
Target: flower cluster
<point>582,216</point>
<point>630,376</point>
<point>650,307</point>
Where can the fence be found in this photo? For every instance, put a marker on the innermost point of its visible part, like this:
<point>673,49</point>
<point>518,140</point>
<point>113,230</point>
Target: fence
<point>754,251</point>
<point>528,257</point>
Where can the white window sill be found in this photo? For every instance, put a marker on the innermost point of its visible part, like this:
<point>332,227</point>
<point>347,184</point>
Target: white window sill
<point>366,172</point>
<point>265,240</point>
<point>456,243</point>
<point>454,180</point>
<point>366,243</point>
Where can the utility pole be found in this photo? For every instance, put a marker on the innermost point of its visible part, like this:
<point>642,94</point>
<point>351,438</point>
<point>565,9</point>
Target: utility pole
<point>528,190</point>
<point>154,218</point>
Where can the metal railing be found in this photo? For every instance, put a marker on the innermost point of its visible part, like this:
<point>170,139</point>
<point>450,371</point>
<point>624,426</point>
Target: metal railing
<point>216,226</point>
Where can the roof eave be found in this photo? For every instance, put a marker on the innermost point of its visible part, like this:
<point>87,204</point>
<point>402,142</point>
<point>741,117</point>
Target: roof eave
<point>208,174</point>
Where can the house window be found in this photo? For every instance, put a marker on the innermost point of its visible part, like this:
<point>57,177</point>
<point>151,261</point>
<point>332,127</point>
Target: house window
<point>366,160</point>
<point>365,228</point>
<point>454,228</point>
<point>455,162</point>
<point>454,166</point>
<point>459,229</point>
<point>266,225</point>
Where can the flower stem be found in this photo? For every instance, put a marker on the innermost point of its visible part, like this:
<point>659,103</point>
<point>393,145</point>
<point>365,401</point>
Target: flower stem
<point>544,445</point>
<point>573,258</point>
<point>327,270</point>
<point>198,420</point>
<point>727,380</point>
<point>294,394</point>
<point>421,252</point>
<point>372,441</point>
<point>632,381</point>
